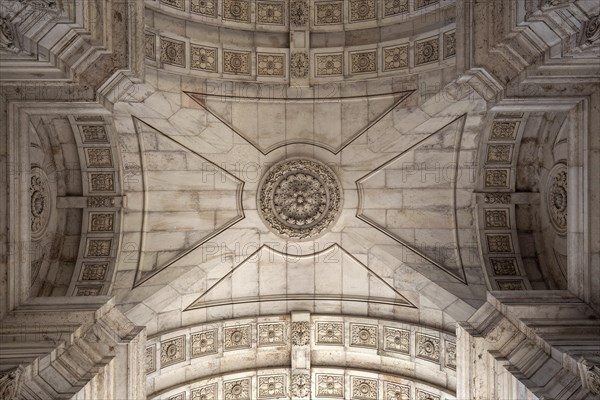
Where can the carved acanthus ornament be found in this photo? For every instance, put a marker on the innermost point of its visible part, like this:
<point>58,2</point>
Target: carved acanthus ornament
<point>593,380</point>
<point>591,376</point>
<point>298,12</point>
<point>300,333</point>
<point>9,384</point>
<point>591,31</point>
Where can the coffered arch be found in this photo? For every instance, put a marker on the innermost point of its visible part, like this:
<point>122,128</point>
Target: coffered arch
<point>333,41</point>
<point>282,349</point>
<point>74,197</point>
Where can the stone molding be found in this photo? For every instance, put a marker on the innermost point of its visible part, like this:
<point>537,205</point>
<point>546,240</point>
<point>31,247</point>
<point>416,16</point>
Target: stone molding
<point>497,42</point>
<point>538,337</point>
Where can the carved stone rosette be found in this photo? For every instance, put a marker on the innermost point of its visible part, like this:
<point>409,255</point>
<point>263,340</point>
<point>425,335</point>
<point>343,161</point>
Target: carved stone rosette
<point>556,197</point>
<point>39,193</point>
<point>300,333</point>
<point>299,198</point>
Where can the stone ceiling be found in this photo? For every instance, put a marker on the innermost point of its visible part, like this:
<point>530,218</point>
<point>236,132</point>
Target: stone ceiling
<point>318,190</point>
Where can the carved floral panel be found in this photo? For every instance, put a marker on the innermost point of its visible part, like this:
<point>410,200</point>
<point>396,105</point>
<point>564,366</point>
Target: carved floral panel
<point>94,271</point>
<point>397,340</point>
<point>237,390</point>
<point>362,10</point>
<point>395,57</point>
<point>172,52</point>
<point>427,51</point>
<point>363,62</point>
<point>272,334</point>
<point>330,385</point>
<point>330,333</point>
<point>206,8</point>
<point>364,389</point>
<point>272,386</point>
<point>363,335</point>
<point>237,337</point>
<point>208,392</point>
<point>204,343</point>
<point>428,347</point>
<point>172,351</point>
<point>270,12</point>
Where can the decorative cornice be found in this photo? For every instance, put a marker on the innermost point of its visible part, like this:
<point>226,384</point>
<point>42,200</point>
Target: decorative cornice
<point>507,38</point>
<point>74,78</point>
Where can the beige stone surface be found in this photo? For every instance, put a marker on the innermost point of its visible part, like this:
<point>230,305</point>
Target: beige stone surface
<point>432,213</point>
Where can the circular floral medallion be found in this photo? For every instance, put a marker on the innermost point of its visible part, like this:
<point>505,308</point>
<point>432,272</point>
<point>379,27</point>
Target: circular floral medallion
<point>299,198</point>
<point>39,193</point>
<point>556,197</point>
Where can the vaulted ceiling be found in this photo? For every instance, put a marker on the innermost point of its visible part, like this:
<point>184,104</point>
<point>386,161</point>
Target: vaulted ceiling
<point>318,190</point>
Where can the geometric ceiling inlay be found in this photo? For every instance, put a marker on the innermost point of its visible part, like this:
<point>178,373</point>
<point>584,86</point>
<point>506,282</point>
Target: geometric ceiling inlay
<point>301,120</point>
<point>299,198</point>
<point>268,275</point>
<point>422,201</point>
<point>188,200</point>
